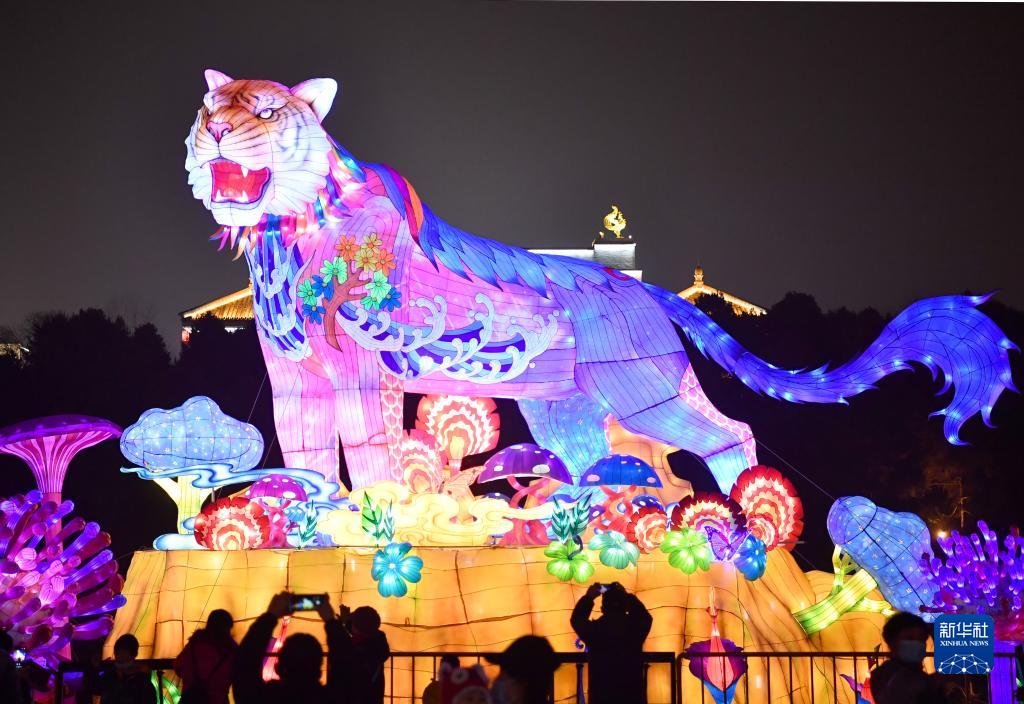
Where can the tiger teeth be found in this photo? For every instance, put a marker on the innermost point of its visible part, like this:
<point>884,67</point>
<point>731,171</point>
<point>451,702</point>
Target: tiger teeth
<point>219,196</point>
<point>245,172</point>
<point>245,197</point>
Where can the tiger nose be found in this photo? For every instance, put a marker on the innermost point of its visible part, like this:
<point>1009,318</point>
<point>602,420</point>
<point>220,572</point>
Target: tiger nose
<point>218,129</point>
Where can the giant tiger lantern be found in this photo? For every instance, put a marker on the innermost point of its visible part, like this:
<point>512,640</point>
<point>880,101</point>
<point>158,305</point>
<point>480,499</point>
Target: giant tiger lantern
<point>362,294</point>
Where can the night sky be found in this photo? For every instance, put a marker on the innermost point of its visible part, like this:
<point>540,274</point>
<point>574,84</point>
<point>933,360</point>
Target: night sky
<point>866,154</point>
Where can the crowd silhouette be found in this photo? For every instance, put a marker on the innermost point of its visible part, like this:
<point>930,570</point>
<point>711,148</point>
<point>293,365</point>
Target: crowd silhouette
<point>214,669</point>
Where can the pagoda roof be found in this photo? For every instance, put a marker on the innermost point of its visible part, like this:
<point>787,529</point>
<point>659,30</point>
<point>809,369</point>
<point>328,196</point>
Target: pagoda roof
<point>699,288</point>
<point>234,306</point>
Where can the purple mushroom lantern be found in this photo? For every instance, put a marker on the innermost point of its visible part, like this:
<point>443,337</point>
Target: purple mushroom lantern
<point>526,460</point>
<point>523,461</point>
<point>49,444</point>
<point>622,478</point>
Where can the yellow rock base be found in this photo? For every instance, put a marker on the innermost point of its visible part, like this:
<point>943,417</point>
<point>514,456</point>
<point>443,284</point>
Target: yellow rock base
<point>481,599</point>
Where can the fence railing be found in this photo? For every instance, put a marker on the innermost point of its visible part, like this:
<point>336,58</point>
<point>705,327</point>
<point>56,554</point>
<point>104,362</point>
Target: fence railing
<point>767,677</point>
<point>826,677</point>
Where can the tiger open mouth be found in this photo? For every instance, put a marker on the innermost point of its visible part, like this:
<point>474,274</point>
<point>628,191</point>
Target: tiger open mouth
<point>233,183</point>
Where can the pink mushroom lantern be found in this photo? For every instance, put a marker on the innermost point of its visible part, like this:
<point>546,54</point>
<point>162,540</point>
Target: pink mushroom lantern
<point>521,461</point>
<point>49,444</point>
<point>276,493</point>
<point>277,490</point>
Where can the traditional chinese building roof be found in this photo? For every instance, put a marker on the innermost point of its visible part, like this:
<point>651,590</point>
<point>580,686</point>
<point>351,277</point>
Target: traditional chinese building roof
<point>234,306</point>
<point>699,288</point>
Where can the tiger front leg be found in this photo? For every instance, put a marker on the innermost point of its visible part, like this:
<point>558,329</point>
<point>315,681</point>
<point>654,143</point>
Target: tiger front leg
<point>367,414</point>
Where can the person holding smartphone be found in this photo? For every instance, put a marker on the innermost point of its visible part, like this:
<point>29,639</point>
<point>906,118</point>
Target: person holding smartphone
<point>615,643</point>
<point>300,660</point>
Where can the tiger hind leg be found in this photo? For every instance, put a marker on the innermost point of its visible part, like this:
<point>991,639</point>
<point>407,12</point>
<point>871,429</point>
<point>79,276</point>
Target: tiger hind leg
<point>572,428</point>
<point>648,397</point>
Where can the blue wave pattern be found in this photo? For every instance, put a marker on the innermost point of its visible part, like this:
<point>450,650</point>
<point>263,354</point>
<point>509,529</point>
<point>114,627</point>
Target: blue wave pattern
<point>275,273</point>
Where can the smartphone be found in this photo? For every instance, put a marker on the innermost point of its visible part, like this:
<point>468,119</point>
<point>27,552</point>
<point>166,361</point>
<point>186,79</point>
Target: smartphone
<point>19,655</point>
<point>603,588</point>
<point>307,602</point>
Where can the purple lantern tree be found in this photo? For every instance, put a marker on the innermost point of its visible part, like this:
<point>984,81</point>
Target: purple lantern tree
<point>49,444</point>
<point>981,575</point>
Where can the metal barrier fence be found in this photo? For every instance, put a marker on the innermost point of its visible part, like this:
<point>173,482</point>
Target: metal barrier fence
<point>829,678</point>
<point>769,677</point>
<point>408,674</point>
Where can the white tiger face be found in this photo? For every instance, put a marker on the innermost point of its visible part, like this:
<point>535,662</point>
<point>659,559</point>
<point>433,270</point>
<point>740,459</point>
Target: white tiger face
<point>257,147</point>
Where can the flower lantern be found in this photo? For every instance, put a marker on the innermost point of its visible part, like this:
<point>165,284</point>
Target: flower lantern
<point>687,550</point>
<point>647,528</point>
<point>705,511</point>
<point>715,662</point>
<point>394,568</point>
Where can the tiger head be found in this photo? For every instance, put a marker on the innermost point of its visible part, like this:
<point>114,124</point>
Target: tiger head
<point>257,147</point>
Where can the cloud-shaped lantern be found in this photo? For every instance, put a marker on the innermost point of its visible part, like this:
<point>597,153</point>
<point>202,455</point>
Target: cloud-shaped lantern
<point>195,433</point>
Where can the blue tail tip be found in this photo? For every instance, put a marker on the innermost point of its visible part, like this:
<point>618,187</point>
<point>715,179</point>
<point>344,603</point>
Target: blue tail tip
<point>982,298</point>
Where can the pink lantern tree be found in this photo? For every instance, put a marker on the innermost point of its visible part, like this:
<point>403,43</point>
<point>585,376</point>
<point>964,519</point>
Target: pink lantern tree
<point>49,444</point>
<point>422,462</point>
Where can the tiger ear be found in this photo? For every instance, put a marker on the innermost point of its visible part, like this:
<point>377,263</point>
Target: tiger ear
<point>215,79</point>
<point>319,93</point>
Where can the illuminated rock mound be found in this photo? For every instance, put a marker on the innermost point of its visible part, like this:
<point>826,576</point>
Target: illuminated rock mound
<point>483,598</point>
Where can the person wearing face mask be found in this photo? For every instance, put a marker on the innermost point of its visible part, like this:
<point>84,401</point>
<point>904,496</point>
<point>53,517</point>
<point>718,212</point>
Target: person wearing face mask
<point>902,679</point>
<point>122,680</point>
